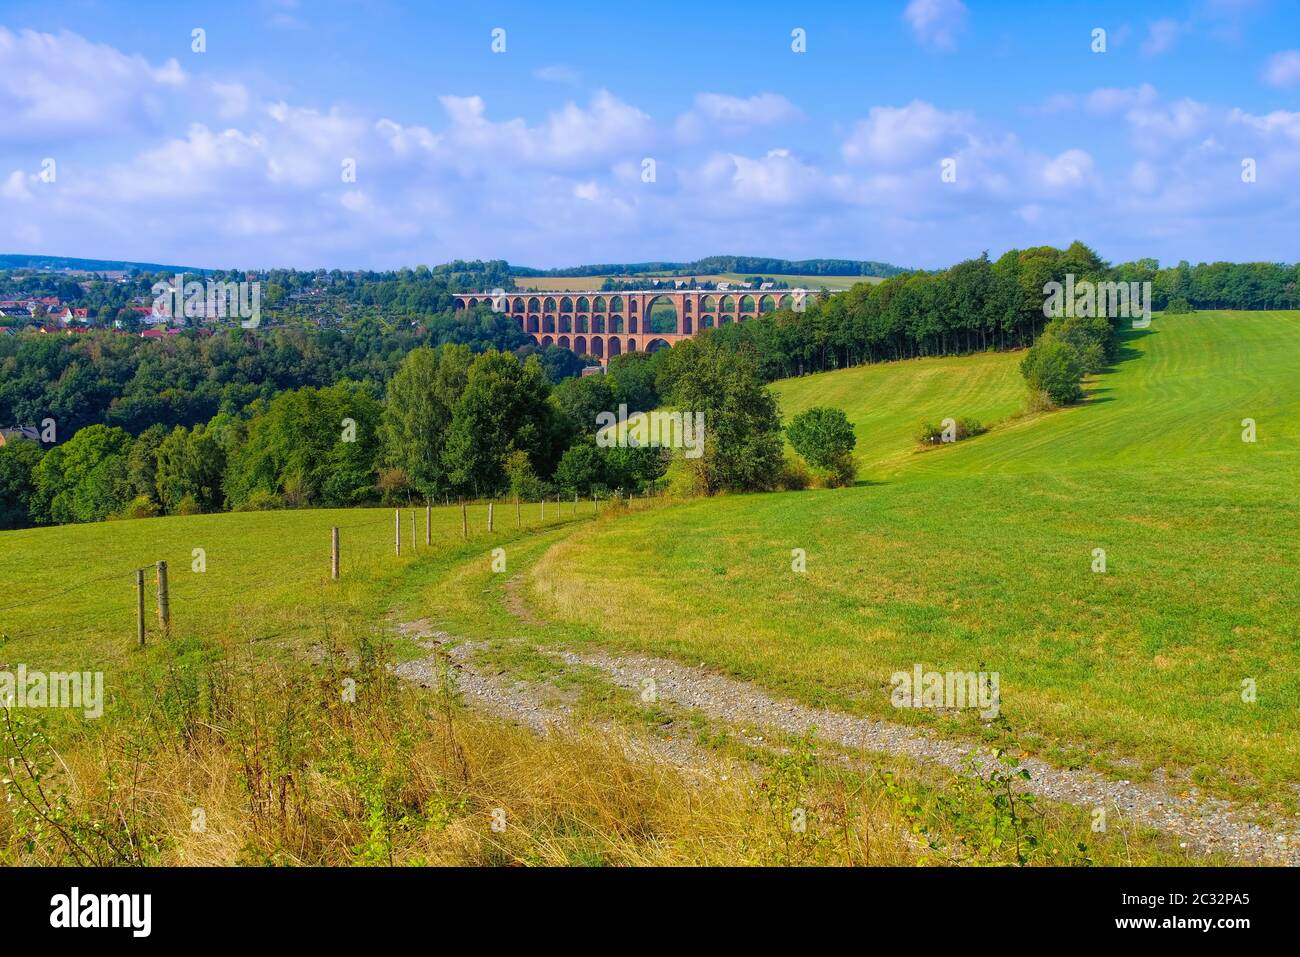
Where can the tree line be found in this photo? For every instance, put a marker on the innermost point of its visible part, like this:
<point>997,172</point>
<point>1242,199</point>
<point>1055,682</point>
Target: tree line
<point>449,422</point>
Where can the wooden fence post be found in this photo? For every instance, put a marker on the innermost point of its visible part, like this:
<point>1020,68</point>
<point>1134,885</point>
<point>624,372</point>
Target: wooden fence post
<point>397,530</point>
<point>428,524</point>
<point>413,541</point>
<point>490,516</point>
<point>139,606</point>
<point>164,602</point>
<point>334,554</point>
<point>595,504</point>
<point>464,520</point>
<point>542,520</point>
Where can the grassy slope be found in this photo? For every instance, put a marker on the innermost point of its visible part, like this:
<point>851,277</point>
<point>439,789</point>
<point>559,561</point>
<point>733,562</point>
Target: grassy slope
<point>886,402</point>
<point>266,577</point>
<point>978,558</point>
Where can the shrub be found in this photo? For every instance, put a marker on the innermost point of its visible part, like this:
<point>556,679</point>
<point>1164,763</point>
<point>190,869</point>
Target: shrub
<point>795,476</point>
<point>824,437</point>
<point>142,506</point>
<point>260,500</point>
<point>188,505</point>
<point>1179,307</point>
<point>1054,367</point>
<point>394,485</point>
<point>930,434</point>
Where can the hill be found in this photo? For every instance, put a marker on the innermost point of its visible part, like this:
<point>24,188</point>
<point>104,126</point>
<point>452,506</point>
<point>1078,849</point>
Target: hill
<point>73,264</point>
<point>980,556</point>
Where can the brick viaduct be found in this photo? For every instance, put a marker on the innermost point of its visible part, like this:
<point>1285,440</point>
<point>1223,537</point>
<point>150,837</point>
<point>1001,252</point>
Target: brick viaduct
<point>607,324</point>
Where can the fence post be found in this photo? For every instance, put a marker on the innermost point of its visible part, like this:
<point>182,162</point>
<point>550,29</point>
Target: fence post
<point>575,503</point>
<point>164,603</point>
<point>334,554</point>
<point>428,524</point>
<point>490,516</point>
<point>413,542</point>
<point>464,520</point>
<point>595,503</point>
<point>519,520</point>
<point>139,606</point>
<point>542,520</point>
<point>397,530</point>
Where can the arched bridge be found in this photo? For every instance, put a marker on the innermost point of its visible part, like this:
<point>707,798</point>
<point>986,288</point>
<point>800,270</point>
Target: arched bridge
<point>607,324</point>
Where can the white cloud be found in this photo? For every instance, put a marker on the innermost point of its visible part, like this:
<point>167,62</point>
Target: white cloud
<point>1283,69</point>
<point>558,73</point>
<point>897,135</point>
<point>936,23</point>
<point>15,187</point>
<point>1161,36</point>
<point>63,85</point>
<point>717,114</point>
<point>1070,169</point>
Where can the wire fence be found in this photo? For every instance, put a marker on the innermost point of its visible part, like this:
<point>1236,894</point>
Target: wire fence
<point>415,533</point>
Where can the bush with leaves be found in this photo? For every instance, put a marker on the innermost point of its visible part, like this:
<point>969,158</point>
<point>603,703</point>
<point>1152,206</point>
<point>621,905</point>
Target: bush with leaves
<point>824,437</point>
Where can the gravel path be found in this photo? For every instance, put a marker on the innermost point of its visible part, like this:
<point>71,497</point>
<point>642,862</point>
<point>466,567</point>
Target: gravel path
<point>1201,824</point>
<point>542,708</point>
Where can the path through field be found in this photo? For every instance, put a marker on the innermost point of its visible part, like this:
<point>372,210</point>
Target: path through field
<point>1203,825</point>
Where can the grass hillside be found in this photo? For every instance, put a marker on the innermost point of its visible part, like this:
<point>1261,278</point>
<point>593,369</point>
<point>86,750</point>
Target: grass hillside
<point>979,557</point>
<point>886,403</point>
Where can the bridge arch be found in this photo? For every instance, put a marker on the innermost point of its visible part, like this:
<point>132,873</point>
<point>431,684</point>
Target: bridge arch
<point>766,304</point>
<point>598,305</point>
<point>654,345</point>
<point>614,347</point>
<point>566,304</point>
<point>548,324</point>
<point>706,322</point>
<point>708,304</point>
<point>550,304</point>
<point>616,304</point>
<point>597,323</point>
<point>597,347</point>
<point>534,304</point>
<point>563,342</point>
<point>615,324</point>
<point>661,316</point>
<point>746,303</point>
<point>580,345</point>
<point>584,304</point>
<point>532,324</point>
<point>517,305</point>
<point>728,304</point>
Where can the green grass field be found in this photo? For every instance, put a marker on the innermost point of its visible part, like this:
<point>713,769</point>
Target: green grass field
<point>266,575</point>
<point>978,557</point>
<point>973,557</point>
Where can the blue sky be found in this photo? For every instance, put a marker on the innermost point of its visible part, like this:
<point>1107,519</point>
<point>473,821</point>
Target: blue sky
<point>240,155</point>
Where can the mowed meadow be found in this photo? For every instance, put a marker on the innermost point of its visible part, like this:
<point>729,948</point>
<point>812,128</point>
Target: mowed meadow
<point>972,557</point>
<point>980,557</point>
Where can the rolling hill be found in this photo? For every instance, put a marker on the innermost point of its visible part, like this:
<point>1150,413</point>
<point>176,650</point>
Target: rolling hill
<point>980,556</point>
